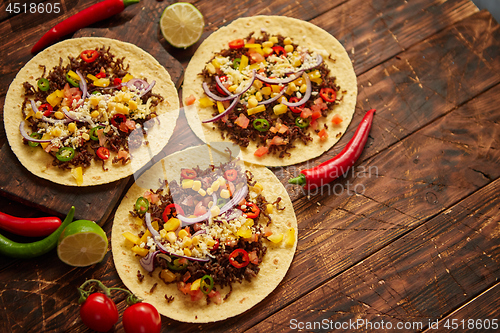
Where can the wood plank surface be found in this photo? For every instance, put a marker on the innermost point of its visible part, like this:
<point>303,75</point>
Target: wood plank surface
<point>411,236</point>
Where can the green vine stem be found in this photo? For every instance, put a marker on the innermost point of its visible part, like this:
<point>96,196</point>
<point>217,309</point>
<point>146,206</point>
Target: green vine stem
<point>131,298</point>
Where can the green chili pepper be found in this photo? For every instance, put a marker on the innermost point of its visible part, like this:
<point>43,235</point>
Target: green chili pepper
<point>221,202</point>
<point>141,205</point>
<point>43,84</point>
<point>236,63</point>
<point>35,135</point>
<point>95,92</point>
<point>92,132</point>
<point>205,287</point>
<point>301,122</point>
<point>261,125</point>
<point>72,81</point>
<point>175,266</point>
<point>65,154</point>
<point>34,249</point>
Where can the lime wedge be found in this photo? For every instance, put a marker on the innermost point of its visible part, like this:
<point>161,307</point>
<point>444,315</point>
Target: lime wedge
<point>82,243</point>
<point>181,24</point>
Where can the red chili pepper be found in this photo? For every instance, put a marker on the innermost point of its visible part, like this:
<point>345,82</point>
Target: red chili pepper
<point>30,227</point>
<point>95,13</point>
<point>46,109</point>
<point>188,173</point>
<point>244,256</point>
<point>328,94</point>
<point>251,210</point>
<point>333,168</point>
<point>118,119</point>
<point>100,75</point>
<point>236,44</point>
<point>231,175</point>
<point>89,55</point>
<point>295,109</point>
<point>103,153</point>
<point>117,81</point>
<point>171,211</point>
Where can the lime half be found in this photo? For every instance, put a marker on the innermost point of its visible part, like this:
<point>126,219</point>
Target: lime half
<point>181,24</point>
<point>82,243</point>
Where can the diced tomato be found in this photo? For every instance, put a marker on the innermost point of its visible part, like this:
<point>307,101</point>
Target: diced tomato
<point>273,130</point>
<point>186,276</point>
<point>122,154</point>
<point>323,134</point>
<point>185,288</point>
<point>277,141</point>
<point>256,57</point>
<point>196,295</point>
<point>319,102</point>
<point>252,256</point>
<point>313,124</point>
<point>242,121</point>
<point>215,296</point>
<point>70,95</point>
<point>261,151</point>
<point>200,209</point>
<point>236,44</point>
<point>283,129</point>
<point>267,231</point>
<point>190,100</point>
<point>152,197</point>
<point>306,112</point>
<point>337,119</point>
<point>130,124</point>
<point>182,261</point>
<point>315,115</point>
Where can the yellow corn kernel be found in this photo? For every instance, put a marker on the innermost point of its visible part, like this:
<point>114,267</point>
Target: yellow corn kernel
<point>269,208</point>
<point>303,88</point>
<point>215,210</point>
<point>314,74</point>
<point>215,186</point>
<point>257,188</point>
<point>163,233</point>
<point>72,127</point>
<point>56,132</point>
<point>205,102</point>
<point>258,84</point>
<point>210,191</point>
<point>220,107</point>
<point>104,82</point>
<point>171,237</point>
<point>258,96</point>
<point>187,252</point>
<point>187,183</point>
<point>273,39</point>
<point>154,224</point>
<point>85,136</point>
<point>292,87</point>
<point>210,68</point>
<point>131,237</point>
<point>39,115</point>
<point>77,173</point>
<point>172,224</point>
<point>224,194</point>
<point>266,91</point>
<point>202,192</point>
<point>140,251</point>
<point>257,109</point>
<point>276,88</point>
<point>280,109</point>
<point>183,233</point>
<point>318,81</point>
<point>144,237</point>
<point>94,100</point>
<point>281,99</point>
<point>267,43</point>
<point>196,240</point>
<point>196,284</point>
<point>243,62</point>
<point>127,78</point>
<point>221,180</point>
<point>244,232</point>
<point>126,97</point>
<point>249,222</point>
<point>288,48</point>
<point>232,88</point>
<point>267,50</point>
<point>55,98</point>
<point>92,77</point>
<point>210,242</point>
<point>252,102</point>
<point>59,115</point>
<point>167,276</point>
<point>95,114</point>
<point>275,238</point>
<point>297,62</point>
<point>121,108</point>
<point>132,105</point>
<point>196,185</point>
<point>216,63</point>
<point>287,41</point>
<point>187,242</point>
<point>290,237</point>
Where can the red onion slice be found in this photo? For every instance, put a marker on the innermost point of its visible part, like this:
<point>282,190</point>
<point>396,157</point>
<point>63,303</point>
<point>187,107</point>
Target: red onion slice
<point>47,119</point>
<point>306,97</point>
<point>148,88</point>
<point>138,84</point>
<point>220,115</point>
<point>66,113</point>
<point>192,220</point>
<point>148,262</point>
<point>292,77</point>
<point>214,96</point>
<point>270,100</point>
<point>236,199</point>
<point>29,138</point>
<point>252,80</point>
<point>319,60</point>
<point>219,83</point>
<point>83,84</point>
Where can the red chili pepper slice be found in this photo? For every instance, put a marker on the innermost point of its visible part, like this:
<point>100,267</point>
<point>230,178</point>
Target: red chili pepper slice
<point>328,94</point>
<point>223,79</point>
<point>251,210</point>
<point>118,119</point>
<point>215,246</point>
<point>117,81</point>
<point>89,55</point>
<point>295,109</point>
<point>100,75</point>
<point>171,211</point>
<point>231,175</point>
<point>103,153</point>
<point>279,50</point>
<point>236,44</point>
<point>244,258</point>
<point>188,173</point>
<point>46,109</point>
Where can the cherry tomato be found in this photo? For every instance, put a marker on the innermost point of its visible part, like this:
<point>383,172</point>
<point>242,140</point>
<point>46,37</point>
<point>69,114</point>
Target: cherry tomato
<point>99,312</point>
<point>141,318</point>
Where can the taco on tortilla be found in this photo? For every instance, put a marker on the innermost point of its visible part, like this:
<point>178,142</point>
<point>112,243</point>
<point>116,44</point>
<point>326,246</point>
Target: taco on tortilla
<point>79,111</point>
<point>283,89</point>
<point>209,245</point>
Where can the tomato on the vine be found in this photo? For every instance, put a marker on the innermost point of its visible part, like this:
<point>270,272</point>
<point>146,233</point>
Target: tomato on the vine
<point>99,312</point>
<point>141,318</point>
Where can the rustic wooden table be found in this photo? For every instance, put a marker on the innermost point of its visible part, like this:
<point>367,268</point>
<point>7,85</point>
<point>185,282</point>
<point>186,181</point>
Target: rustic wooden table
<point>410,240</point>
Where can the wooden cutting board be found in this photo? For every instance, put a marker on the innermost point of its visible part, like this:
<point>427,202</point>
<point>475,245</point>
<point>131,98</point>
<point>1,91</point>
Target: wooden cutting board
<point>137,25</point>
